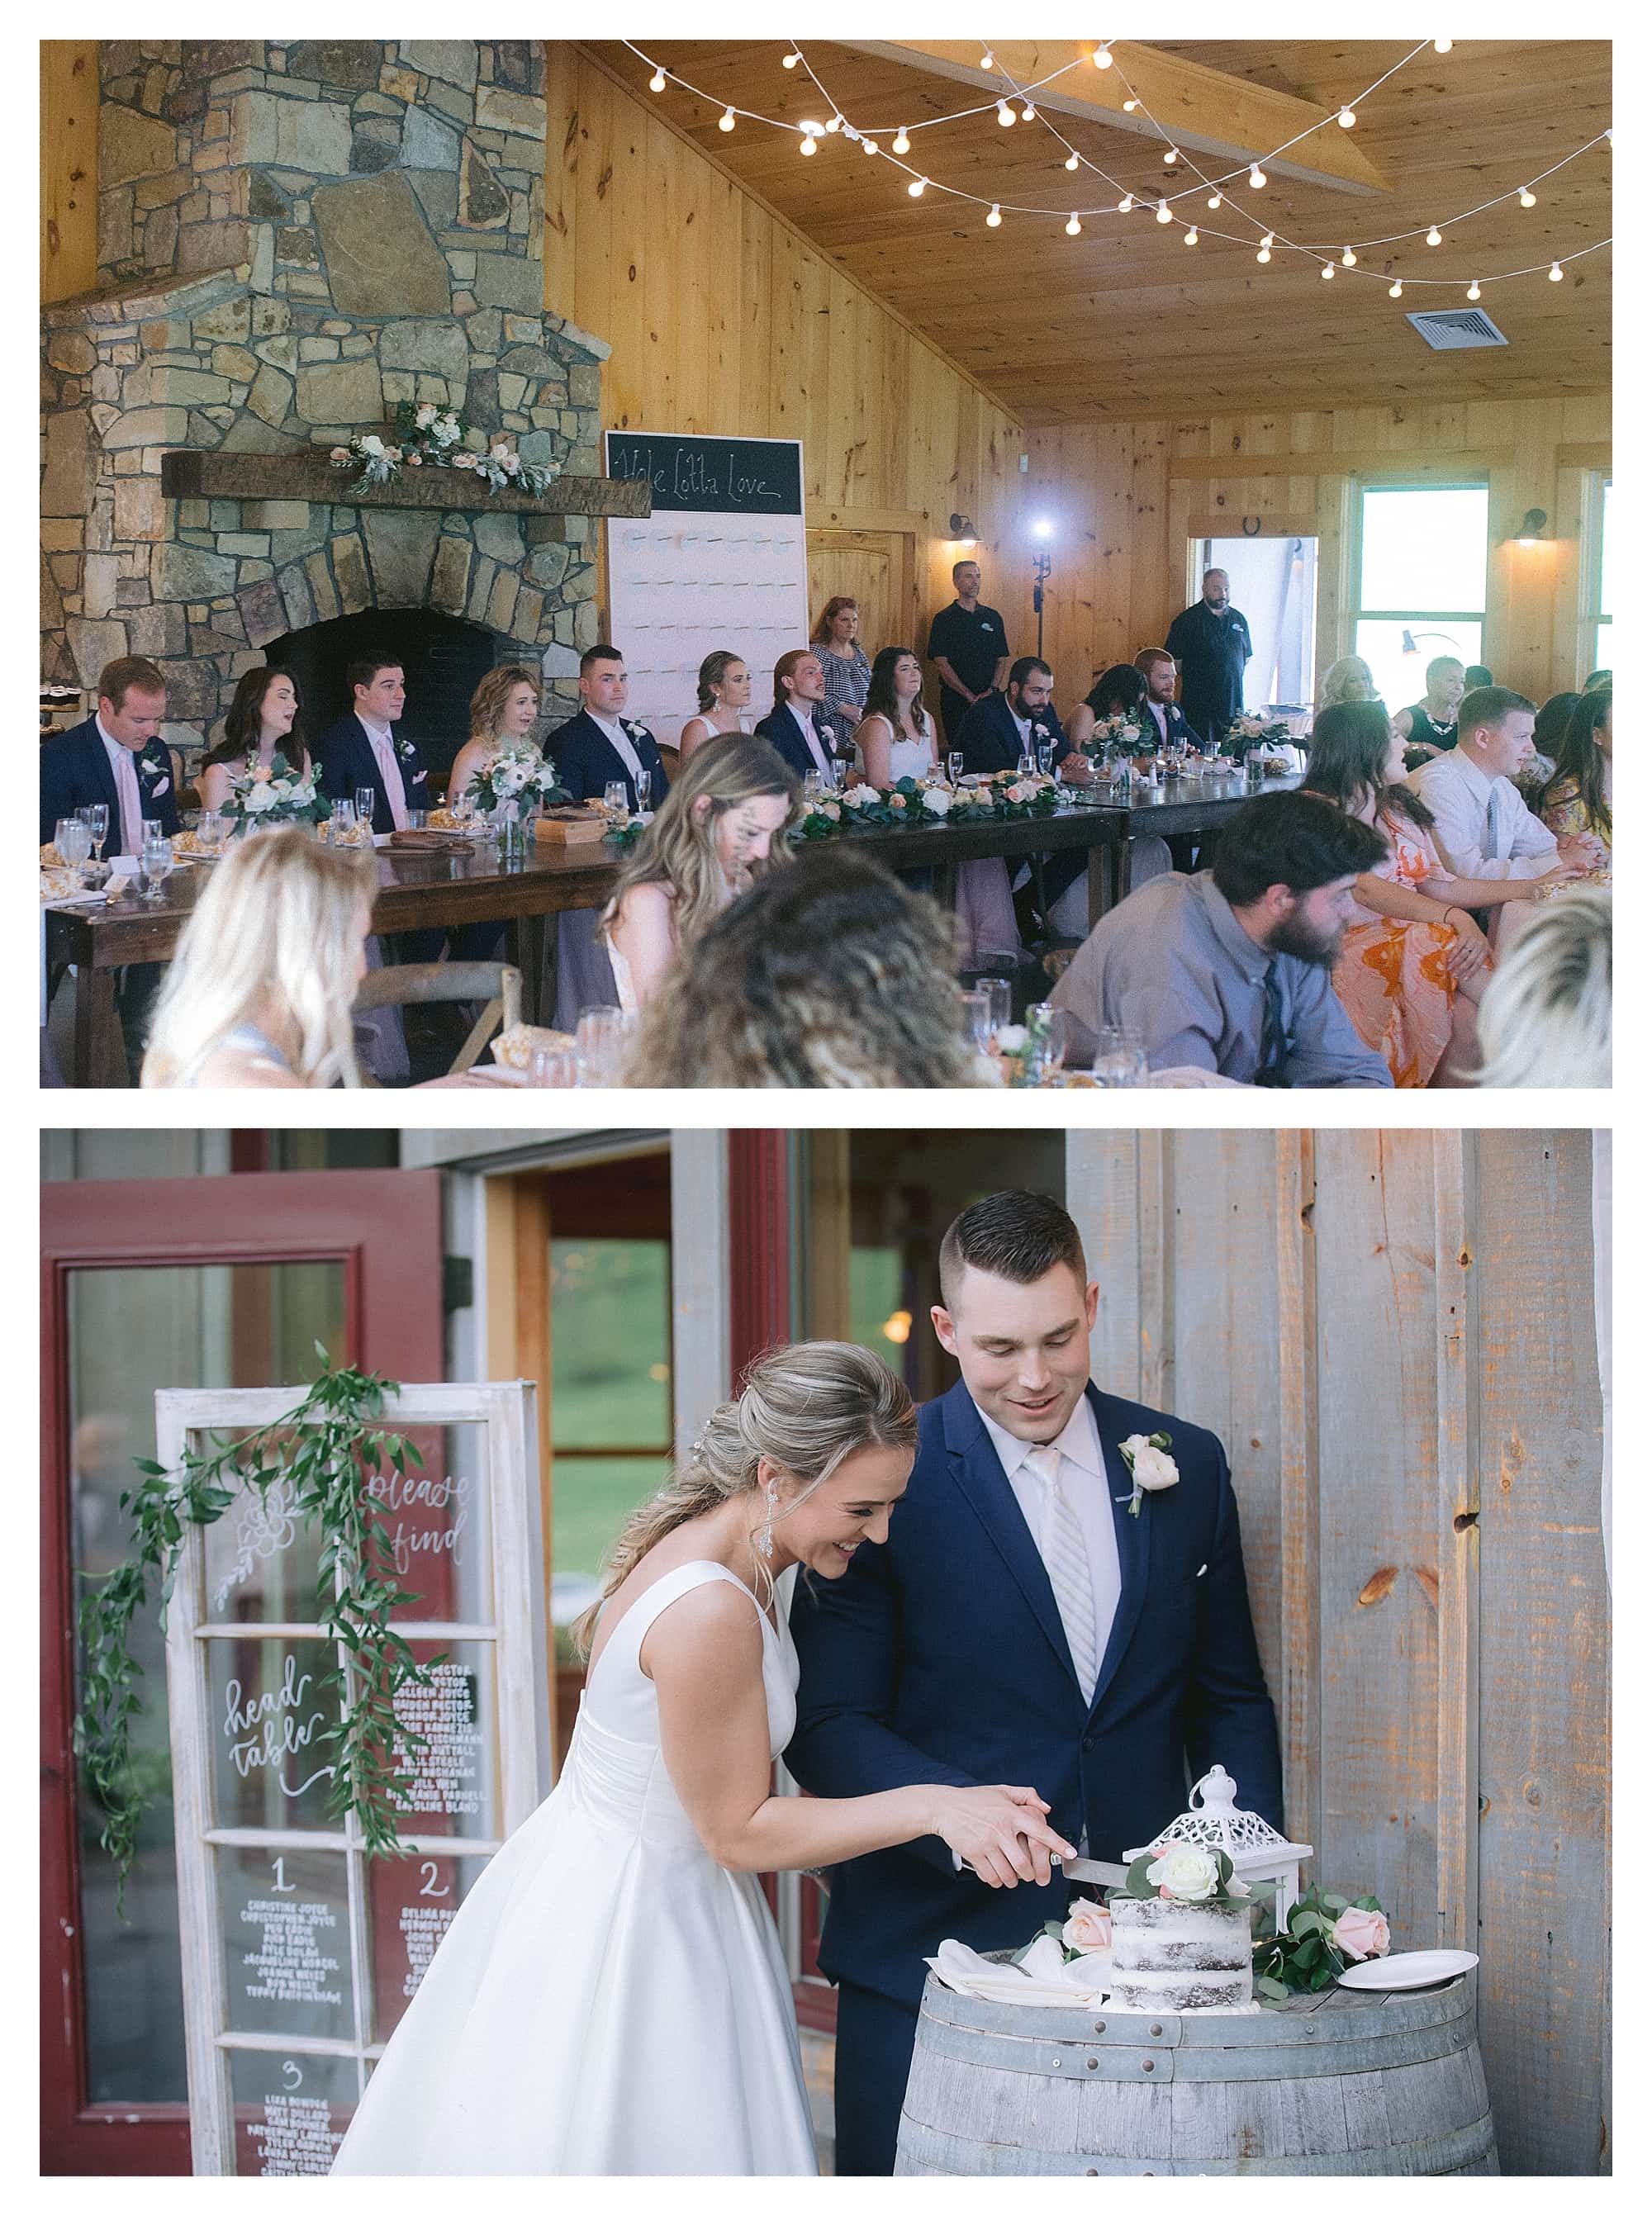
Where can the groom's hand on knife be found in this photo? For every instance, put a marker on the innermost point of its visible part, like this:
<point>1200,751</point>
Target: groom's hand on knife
<point>1000,1831</point>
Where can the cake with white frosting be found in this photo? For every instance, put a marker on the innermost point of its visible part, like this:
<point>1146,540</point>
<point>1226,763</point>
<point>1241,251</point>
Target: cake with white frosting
<point>1177,1955</point>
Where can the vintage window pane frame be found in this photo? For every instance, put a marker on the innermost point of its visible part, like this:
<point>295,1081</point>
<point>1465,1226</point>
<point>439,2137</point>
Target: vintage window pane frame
<point>506,1415</point>
<point>1414,617</point>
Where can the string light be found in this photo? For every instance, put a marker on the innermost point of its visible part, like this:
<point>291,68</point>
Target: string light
<point>1348,119</point>
<point>1073,226</point>
<point>915,189</point>
<point>1214,201</point>
<point>986,57</point>
<point>1434,235</point>
<point>789,61</point>
<point>1126,204</point>
<point>1190,237</point>
<point>1349,257</point>
<point>994,218</point>
<point>1395,289</point>
<point>1528,198</point>
<point>656,83</point>
<point>806,143</point>
<point>1555,273</point>
<point>1265,251</point>
<point>1071,162</point>
<point>1328,271</point>
<point>1170,157</point>
<point>1101,57</point>
<point>1131,106</point>
<point>870,146</point>
<point>902,144</point>
<point>1006,114</point>
<point>1442,45</point>
<point>835,123</point>
<point>1029,114</point>
<point>1474,290</point>
<point>1163,215</point>
<point>1257,179</point>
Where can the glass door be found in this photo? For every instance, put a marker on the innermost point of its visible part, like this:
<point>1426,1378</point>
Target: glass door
<point>207,1281</point>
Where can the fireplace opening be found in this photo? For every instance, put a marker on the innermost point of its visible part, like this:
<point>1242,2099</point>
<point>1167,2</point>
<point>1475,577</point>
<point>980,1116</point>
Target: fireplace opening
<point>442,659</point>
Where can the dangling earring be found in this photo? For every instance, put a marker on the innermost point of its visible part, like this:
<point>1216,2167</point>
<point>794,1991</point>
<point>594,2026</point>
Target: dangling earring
<point>765,1541</point>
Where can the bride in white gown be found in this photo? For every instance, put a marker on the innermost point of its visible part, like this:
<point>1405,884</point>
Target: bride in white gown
<point>612,1999</point>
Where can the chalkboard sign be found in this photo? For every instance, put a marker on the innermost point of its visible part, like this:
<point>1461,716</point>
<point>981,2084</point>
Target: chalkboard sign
<point>712,476</point>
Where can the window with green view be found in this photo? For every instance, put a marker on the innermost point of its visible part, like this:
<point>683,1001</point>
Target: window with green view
<point>610,1396</point>
<point>1423,583</point>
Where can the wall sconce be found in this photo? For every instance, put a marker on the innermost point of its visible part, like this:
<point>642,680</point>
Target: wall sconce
<point>962,529</point>
<point>1533,524</point>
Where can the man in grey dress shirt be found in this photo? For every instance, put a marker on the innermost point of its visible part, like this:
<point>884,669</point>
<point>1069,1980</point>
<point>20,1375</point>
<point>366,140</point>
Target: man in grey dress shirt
<point>1230,971</point>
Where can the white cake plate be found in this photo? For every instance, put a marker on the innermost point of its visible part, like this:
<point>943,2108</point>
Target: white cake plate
<point>1404,1973</point>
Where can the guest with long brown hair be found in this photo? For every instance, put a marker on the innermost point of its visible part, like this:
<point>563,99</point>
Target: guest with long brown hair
<point>724,685</point>
<point>1578,797</point>
<point>264,727</point>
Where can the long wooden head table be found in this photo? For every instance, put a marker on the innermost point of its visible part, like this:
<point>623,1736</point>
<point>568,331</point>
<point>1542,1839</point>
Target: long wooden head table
<point>470,883</point>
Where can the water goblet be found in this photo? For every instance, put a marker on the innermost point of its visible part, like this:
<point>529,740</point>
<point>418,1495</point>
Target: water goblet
<point>954,767</point>
<point>1254,771</point>
<point>644,782</point>
<point>210,830</point>
<point>1055,1026</point>
<point>1045,755</point>
<point>342,824</point>
<point>73,841</point>
<point>417,818</point>
<point>1025,764</point>
<point>96,820</point>
<point>157,861</point>
<point>813,785</point>
<point>614,803</point>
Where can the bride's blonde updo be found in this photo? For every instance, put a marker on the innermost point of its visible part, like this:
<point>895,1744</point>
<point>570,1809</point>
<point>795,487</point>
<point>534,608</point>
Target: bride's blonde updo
<point>806,1408</point>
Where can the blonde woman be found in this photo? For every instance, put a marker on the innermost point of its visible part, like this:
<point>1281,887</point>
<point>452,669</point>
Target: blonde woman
<point>1347,679</point>
<point>1546,1019</point>
<point>505,708</point>
<point>612,1998</point>
<point>722,826</point>
<point>724,685</point>
<point>259,994</point>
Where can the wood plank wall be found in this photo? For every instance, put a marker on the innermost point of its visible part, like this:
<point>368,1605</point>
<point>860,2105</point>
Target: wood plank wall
<point>1414,1434</point>
<point>1126,498</point>
<point>68,168</point>
<point>723,318</point>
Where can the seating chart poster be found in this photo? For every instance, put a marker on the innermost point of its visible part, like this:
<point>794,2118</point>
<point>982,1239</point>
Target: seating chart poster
<point>722,563</point>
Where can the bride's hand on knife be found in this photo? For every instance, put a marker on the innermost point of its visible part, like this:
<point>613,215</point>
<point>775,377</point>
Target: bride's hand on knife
<point>1000,1831</point>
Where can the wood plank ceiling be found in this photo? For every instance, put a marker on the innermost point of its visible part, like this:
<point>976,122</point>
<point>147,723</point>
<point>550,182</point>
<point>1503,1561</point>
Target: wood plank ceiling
<point>1126,322</point>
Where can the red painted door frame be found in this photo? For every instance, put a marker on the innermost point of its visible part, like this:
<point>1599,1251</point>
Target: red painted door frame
<point>385,1226</point>
<point>760,1244</point>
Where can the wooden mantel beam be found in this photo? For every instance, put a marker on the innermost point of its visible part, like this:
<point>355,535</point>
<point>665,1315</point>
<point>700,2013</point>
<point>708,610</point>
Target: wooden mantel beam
<point>1204,109</point>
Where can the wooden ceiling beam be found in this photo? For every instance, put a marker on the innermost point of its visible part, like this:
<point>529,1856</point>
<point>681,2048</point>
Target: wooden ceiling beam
<point>1204,110</point>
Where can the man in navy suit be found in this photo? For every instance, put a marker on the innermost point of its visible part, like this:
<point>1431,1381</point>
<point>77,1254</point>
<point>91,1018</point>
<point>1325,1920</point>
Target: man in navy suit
<point>997,732</point>
<point>1019,1623</point>
<point>798,726</point>
<point>599,747</point>
<point>1158,668</point>
<point>365,748</point>
<point>117,756</point>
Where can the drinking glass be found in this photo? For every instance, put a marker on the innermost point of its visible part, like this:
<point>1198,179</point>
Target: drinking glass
<point>617,806</point>
<point>1058,1037</point>
<point>1025,766</point>
<point>1210,751</point>
<point>813,785</point>
<point>1254,770</point>
<point>977,1018</point>
<point>157,861</point>
<point>1120,1059</point>
<point>73,841</point>
<point>954,768</point>
<point>998,990</point>
<point>342,824</point>
<point>1045,755</point>
<point>417,818</point>
<point>210,830</point>
<point>645,781</point>
<point>600,1041</point>
<point>96,820</point>
<point>555,1069</point>
<point>366,803</point>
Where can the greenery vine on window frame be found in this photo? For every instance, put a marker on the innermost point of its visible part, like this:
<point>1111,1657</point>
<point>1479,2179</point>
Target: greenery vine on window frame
<point>328,1448</point>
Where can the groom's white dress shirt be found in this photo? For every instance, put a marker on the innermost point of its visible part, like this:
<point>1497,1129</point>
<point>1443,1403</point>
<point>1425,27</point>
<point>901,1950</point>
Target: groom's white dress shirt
<point>1483,828</point>
<point>1085,1482</point>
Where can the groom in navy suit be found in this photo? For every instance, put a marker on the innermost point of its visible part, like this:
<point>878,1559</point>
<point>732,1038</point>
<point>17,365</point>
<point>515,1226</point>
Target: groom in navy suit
<point>601,746</point>
<point>365,748</point>
<point>1020,1625</point>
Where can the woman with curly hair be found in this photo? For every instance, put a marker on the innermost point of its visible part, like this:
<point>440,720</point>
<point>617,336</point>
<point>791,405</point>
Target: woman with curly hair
<point>829,973</point>
<point>721,827</point>
<point>1578,797</point>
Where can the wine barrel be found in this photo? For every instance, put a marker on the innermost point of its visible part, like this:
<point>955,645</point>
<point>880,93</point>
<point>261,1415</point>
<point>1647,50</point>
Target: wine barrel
<point>1334,2084</point>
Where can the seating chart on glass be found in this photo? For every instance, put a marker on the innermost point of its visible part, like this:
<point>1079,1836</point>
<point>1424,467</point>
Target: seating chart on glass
<point>722,563</point>
<point>302,1951</point>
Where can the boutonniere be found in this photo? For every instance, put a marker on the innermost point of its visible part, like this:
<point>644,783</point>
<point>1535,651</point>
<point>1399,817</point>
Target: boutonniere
<point>636,730</point>
<point>405,749</point>
<point>149,766</point>
<point>1149,1466</point>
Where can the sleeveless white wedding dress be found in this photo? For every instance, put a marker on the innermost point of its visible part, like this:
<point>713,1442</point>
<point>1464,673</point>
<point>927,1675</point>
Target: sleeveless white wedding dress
<point>609,2001</point>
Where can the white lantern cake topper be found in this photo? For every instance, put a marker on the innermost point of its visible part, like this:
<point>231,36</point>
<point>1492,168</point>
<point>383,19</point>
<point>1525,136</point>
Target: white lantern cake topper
<point>1260,1855</point>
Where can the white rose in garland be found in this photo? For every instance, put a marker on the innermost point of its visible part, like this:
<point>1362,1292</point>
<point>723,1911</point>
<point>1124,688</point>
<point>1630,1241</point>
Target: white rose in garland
<point>937,801</point>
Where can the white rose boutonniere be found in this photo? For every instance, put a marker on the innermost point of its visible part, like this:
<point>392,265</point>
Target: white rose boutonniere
<point>1151,1467</point>
<point>405,749</point>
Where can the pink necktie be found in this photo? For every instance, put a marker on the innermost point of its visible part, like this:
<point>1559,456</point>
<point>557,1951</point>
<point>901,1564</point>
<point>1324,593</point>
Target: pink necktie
<point>389,770</point>
<point>132,807</point>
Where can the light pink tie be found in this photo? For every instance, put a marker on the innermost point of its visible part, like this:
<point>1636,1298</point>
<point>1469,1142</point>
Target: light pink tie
<point>132,807</point>
<point>1067,1559</point>
<point>389,772</point>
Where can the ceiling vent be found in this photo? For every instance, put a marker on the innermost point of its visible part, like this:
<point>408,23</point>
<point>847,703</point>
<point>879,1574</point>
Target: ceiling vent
<point>1457,327</point>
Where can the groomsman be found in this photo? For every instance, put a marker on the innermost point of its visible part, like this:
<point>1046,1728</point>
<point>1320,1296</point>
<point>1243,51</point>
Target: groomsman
<point>600,747</point>
<point>993,735</point>
<point>117,756</point>
<point>1158,668</point>
<point>797,725</point>
<point>365,748</point>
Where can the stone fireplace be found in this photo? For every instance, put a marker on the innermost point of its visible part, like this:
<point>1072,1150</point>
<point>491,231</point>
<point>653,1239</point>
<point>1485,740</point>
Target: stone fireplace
<point>293,237</point>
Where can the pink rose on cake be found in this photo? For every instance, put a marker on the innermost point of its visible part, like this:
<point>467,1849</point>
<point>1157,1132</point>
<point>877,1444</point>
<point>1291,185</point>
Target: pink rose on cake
<point>1089,1929</point>
<point>1360,1933</point>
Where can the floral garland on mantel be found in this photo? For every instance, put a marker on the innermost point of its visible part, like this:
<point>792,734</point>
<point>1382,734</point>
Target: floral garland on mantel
<point>429,437</point>
<point>323,1456</point>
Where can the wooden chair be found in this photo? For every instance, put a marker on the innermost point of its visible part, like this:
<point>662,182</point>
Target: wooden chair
<point>420,984</point>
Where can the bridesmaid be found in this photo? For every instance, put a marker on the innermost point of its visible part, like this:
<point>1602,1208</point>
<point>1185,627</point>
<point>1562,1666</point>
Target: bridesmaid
<point>897,737</point>
<point>262,724</point>
<point>505,708</point>
<point>724,696</point>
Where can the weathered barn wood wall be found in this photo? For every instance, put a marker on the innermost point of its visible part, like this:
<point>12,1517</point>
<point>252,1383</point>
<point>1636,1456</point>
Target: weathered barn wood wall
<point>1394,1333</point>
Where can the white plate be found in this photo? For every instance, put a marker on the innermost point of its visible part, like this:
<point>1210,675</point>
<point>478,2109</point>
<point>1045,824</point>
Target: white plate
<point>1403,1974</point>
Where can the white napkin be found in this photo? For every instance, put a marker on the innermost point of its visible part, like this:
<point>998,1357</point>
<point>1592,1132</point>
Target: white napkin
<point>1040,1979</point>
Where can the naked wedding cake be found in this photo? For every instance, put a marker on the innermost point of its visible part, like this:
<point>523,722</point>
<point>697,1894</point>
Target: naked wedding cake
<point>1170,1954</point>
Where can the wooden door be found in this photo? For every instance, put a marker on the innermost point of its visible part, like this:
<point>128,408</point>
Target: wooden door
<point>206,1281</point>
<point>877,569</point>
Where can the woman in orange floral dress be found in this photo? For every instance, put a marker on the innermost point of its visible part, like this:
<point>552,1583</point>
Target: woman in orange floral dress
<point>1413,964</point>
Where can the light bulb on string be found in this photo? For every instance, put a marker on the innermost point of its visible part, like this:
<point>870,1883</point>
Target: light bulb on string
<point>835,123</point>
<point>656,83</point>
<point>1163,215</point>
<point>725,121</point>
<point>1434,235</point>
<point>1006,114</point>
<point>1214,201</point>
<point>1349,257</point>
<point>1131,106</point>
<point>915,189</point>
<point>994,219</point>
<point>806,145</point>
<point>1528,198</point>
<point>870,146</point>
<point>1555,273</point>
<point>1170,157</point>
<point>1395,289</point>
<point>1073,226</point>
<point>1264,254</point>
<point>1328,271</point>
<point>1348,119</point>
<point>1029,114</point>
<point>1126,204</point>
<point>1101,57</point>
<point>902,144</point>
<point>986,57</point>
<point>1257,179</point>
<point>789,61</point>
<point>1474,290</point>
<point>1071,162</point>
<point>1442,45</point>
<point>1190,237</point>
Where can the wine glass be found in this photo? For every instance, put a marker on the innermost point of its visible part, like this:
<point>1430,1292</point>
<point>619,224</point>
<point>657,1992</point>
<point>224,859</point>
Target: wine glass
<point>1025,765</point>
<point>96,820</point>
<point>1045,755</point>
<point>644,787</point>
<point>156,860</point>
<point>954,768</point>
<point>366,803</point>
<point>342,824</point>
<point>616,806</point>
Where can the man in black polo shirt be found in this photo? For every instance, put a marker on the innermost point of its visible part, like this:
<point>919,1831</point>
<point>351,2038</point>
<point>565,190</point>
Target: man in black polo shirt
<point>969,649</point>
<point>1212,641</point>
